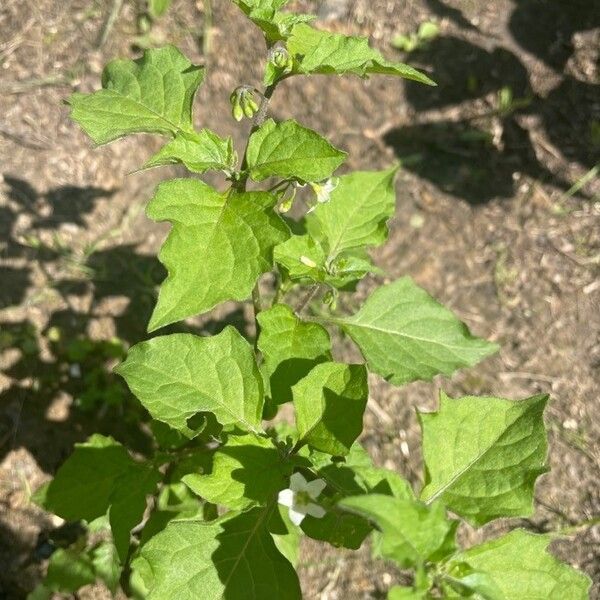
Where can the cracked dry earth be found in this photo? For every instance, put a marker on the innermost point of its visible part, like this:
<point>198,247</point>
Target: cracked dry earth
<point>484,223</point>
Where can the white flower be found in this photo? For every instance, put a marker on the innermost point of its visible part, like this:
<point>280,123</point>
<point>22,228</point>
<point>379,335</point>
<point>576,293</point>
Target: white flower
<point>299,498</point>
<point>75,370</point>
<point>323,190</point>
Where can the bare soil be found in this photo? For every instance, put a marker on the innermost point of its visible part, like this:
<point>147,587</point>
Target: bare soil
<point>484,222</point>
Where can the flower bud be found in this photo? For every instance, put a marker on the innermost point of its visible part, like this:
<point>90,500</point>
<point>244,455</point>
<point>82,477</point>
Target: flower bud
<point>287,203</point>
<point>281,59</point>
<point>243,103</point>
<point>330,299</point>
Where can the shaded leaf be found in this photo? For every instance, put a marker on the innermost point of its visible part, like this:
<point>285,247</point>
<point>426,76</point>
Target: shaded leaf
<point>290,349</point>
<point>100,476</point>
<point>105,561</point>
<point>247,471</point>
<point>69,570</point>
<point>128,503</point>
<point>83,485</point>
<point>329,403</point>
<point>352,475</point>
<point>411,532</point>
<point>233,558</point>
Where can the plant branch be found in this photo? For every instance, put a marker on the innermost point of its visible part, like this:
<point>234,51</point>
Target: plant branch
<point>240,186</point>
<point>259,119</point>
<point>310,294</point>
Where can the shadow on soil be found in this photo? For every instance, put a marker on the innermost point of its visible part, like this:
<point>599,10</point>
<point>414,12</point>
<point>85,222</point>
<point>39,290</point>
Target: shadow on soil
<point>62,361</point>
<point>475,158</point>
<point>62,388</point>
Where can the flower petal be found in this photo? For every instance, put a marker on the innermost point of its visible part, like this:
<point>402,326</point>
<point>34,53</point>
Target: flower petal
<point>315,487</point>
<point>296,516</point>
<point>286,497</point>
<point>297,482</point>
<point>314,510</point>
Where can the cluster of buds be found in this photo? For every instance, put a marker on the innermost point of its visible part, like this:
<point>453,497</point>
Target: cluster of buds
<point>243,103</point>
<point>281,60</point>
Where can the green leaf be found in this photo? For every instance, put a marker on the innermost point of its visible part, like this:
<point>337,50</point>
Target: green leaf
<point>153,94</point>
<point>275,25</point>
<point>83,485</point>
<point>517,566</point>
<point>290,349</point>
<point>105,561</point>
<point>329,404</point>
<point>178,376</point>
<point>405,593</point>
<point>411,531</point>
<point>303,258</point>
<point>338,528</point>
<point>285,534</point>
<point>288,150</point>
<point>69,570</point>
<point>357,212</point>
<point>247,471</point>
<point>234,558</point>
<point>349,267</point>
<point>198,152</point>
<point>175,501</point>
<point>157,8</point>
<point>356,474</point>
<point>250,5</point>
<point>352,475</point>
<point>128,503</point>
<point>405,335</point>
<point>326,53</point>
<point>100,476</point>
<point>217,249</point>
<point>483,455</point>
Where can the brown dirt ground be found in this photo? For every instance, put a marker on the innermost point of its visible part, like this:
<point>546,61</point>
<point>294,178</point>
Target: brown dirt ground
<point>483,223</point>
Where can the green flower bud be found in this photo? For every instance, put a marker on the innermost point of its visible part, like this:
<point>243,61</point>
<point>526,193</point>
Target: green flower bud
<point>287,203</point>
<point>243,103</point>
<point>330,299</point>
<point>237,112</point>
<point>281,59</point>
<point>236,109</point>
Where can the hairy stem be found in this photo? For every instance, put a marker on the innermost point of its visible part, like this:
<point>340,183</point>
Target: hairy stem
<point>310,294</point>
<point>259,119</point>
<point>240,186</point>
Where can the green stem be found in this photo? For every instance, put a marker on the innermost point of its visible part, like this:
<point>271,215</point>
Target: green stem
<point>240,186</point>
<point>577,527</point>
<point>312,291</point>
<point>259,119</point>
